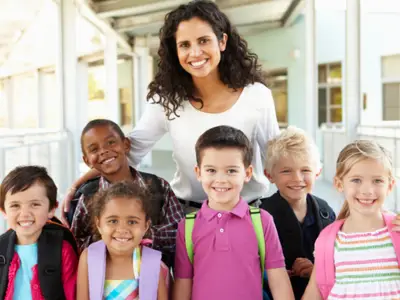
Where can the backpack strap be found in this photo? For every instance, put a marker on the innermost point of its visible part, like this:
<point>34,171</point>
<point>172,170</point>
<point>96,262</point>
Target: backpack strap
<point>189,225</point>
<point>7,246</point>
<point>395,236</point>
<point>149,273</point>
<point>49,262</point>
<point>96,269</point>
<point>258,228</point>
<point>324,258</point>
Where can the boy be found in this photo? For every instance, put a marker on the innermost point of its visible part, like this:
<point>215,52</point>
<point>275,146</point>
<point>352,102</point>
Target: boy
<point>39,258</point>
<point>105,149</point>
<point>226,262</point>
<point>293,164</point>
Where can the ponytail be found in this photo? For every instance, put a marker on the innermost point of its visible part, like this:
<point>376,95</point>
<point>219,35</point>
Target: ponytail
<point>344,211</point>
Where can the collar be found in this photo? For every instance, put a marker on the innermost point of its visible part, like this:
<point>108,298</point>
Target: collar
<point>239,210</point>
<point>104,183</point>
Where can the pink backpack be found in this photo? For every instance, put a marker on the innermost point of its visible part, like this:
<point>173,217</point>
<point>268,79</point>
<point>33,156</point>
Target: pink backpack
<point>324,253</point>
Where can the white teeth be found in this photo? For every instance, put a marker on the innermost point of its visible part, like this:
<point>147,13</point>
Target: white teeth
<point>25,224</point>
<point>296,187</point>
<point>198,63</point>
<point>366,201</point>
<point>220,190</point>
<point>121,240</point>
<point>108,160</point>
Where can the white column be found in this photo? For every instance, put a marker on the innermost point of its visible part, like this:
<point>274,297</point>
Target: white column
<point>41,98</point>
<point>142,75</point>
<point>352,86</point>
<point>111,73</point>
<point>9,94</point>
<point>66,72</point>
<point>83,93</point>
<point>311,100</point>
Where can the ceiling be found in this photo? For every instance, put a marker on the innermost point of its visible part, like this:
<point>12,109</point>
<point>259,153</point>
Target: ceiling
<point>133,18</point>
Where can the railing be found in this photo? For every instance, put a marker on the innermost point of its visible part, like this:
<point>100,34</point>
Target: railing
<point>388,135</point>
<point>50,149</point>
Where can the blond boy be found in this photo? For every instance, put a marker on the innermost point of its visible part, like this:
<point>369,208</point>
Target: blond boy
<point>293,164</point>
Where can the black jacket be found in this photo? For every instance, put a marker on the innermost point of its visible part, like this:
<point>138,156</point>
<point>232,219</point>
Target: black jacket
<point>290,230</point>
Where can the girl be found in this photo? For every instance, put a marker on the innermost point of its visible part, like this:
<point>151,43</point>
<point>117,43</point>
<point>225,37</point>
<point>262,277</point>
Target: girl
<point>119,266</point>
<point>357,257</point>
<point>206,77</point>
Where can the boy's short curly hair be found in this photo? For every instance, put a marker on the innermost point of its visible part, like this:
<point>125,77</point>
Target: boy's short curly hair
<point>292,142</point>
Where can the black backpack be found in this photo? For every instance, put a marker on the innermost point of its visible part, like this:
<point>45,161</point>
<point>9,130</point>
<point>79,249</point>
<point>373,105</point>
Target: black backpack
<point>49,258</point>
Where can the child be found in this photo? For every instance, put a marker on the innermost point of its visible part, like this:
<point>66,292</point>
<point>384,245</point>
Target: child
<point>121,215</point>
<point>38,258</point>
<point>357,257</point>
<point>226,262</point>
<point>104,148</point>
<point>293,164</point>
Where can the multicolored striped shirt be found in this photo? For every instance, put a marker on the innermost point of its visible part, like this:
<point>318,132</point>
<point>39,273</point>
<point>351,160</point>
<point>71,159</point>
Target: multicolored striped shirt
<point>366,267</point>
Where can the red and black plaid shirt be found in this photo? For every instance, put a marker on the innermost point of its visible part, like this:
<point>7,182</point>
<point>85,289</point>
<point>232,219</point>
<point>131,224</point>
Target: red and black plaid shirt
<point>163,234</point>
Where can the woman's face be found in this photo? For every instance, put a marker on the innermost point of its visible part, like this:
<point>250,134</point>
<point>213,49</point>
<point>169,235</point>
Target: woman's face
<point>199,51</point>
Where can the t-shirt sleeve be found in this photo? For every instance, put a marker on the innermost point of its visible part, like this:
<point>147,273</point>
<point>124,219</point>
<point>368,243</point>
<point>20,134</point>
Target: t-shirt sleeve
<point>273,250</point>
<point>150,128</point>
<point>69,270</point>
<point>183,266</point>
<point>267,125</point>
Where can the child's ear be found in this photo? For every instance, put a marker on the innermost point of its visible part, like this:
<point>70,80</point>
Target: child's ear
<point>127,145</point>
<point>148,224</point>
<point>318,173</point>
<point>338,184</point>
<point>392,183</point>
<point>51,213</point>
<point>97,223</point>
<point>86,160</point>
<point>4,214</point>
<point>197,171</point>
<point>268,175</point>
<point>249,173</point>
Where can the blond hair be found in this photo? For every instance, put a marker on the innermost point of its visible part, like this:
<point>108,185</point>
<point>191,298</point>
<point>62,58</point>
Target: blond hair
<point>292,142</point>
<point>358,151</point>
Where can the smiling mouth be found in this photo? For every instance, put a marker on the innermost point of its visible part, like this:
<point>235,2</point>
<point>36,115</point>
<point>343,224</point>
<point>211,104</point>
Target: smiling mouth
<point>108,161</point>
<point>221,190</point>
<point>198,64</point>
<point>366,202</point>
<point>25,224</point>
<point>122,240</point>
<point>296,188</point>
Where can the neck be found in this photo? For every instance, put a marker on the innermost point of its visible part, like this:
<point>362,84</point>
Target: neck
<point>357,222</point>
<point>223,206</point>
<point>120,258</point>
<point>123,174</point>
<point>206,87</point>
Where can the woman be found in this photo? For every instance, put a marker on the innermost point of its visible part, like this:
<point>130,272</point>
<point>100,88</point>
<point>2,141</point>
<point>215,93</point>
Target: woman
<point>207,77</point>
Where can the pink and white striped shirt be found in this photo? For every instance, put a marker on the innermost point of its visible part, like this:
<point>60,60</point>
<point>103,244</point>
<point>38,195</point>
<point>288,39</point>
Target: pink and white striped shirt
<point>366,267</point>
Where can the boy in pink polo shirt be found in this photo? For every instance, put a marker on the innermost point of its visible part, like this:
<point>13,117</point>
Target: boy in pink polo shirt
<point>226,262</point>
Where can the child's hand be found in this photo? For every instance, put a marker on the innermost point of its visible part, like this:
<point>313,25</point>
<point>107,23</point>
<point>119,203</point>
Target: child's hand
<point>302,267</point>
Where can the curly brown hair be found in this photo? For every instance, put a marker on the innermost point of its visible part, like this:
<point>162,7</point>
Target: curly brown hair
<point>123,189</point>
<point>173,85</point>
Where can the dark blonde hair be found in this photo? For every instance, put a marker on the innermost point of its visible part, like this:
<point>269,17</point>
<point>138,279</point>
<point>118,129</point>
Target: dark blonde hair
<point>358,151</point>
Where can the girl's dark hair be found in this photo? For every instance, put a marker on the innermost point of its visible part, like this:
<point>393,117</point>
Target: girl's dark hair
<point>172,84</point>
<point>123,189</point>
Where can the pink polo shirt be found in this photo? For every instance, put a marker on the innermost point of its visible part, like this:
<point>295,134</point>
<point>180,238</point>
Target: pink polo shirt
<point>226,263</point>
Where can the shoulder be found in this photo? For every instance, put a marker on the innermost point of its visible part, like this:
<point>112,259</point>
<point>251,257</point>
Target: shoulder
<point>84,256</point>
<point>266,218</point>
<point>89,188</point>
<point>270,203</point>
<point>152,179</point>
<point>259,93</point>
<point>323,205</point>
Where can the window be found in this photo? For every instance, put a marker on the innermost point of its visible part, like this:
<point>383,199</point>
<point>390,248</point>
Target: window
<point>277,81</point>
<point>330,93</point>
<point>391,87</point>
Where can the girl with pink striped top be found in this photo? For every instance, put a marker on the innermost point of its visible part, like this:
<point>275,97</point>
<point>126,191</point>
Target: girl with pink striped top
<point>357,257</point>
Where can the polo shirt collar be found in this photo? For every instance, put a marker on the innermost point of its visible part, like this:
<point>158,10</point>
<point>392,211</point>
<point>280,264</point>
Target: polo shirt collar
<point>239,210</point>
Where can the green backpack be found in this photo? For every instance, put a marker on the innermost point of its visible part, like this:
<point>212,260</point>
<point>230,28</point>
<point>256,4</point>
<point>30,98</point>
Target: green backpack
<point>256,220</point>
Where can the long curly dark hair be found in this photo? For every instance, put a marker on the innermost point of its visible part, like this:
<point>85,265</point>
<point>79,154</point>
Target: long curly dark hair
<point>173,85</point>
